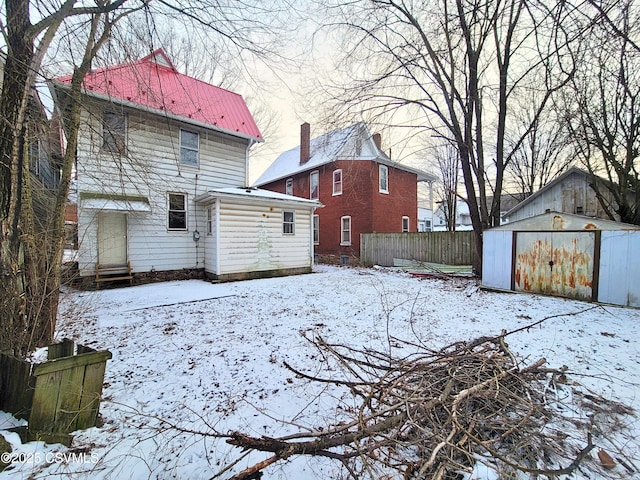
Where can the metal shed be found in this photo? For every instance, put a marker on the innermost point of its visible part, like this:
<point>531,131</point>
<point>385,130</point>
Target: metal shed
<point>565,255</point>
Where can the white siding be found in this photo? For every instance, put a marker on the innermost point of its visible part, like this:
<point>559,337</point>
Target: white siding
<point>497,258</point>
<point>619,276</point>
<point>251,239</point>
<point>150,170</point>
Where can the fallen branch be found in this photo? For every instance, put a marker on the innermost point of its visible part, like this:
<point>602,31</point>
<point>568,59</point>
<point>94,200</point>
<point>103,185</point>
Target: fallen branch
<point>431,415</point>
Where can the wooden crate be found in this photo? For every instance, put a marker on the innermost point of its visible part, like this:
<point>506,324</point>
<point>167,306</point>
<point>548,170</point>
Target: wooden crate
<point>60,395</point>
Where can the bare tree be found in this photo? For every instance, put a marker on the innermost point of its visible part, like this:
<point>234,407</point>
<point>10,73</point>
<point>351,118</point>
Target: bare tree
<point>455,68</point>
<point>29,271</point>
<point>603,109</point>
<point>29,260</point>
<point>538,155</point>
<point>449,165</point>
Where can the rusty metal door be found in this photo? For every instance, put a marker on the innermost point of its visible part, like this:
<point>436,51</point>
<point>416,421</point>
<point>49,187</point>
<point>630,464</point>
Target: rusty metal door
<point>555,263</point>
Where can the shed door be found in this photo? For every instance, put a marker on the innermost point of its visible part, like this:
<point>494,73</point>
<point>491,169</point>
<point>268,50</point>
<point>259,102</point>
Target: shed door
<point>112,239</point>
<point>555,263</point>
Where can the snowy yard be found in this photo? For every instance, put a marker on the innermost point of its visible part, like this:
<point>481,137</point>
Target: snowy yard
<point>208,357</point>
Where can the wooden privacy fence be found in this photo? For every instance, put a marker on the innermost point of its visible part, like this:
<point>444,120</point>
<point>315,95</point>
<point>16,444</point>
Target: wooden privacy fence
<point>451,248</point>
<point>58,396</point>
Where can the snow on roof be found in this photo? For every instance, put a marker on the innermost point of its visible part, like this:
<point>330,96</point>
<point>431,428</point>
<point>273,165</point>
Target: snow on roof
<point>255,194</point>
<point>350,143</point>
<point>564,221</point>
<point>323,149</point>
<point>153,83</point>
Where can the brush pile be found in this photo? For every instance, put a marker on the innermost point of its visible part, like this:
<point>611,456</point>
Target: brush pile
<point>437,414</point>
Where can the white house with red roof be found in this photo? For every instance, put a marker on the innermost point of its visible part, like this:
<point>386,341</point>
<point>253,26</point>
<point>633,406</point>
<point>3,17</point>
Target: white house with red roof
<point>162,181</point>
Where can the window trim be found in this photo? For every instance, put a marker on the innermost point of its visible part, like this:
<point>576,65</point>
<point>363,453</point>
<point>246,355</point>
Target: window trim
<point>190,149</point>
<point>384,168</point>
<point>335,184</point>
<point>315,228</point>
<point>288,186</point>
<point>186,212</point>
<point>210,220</point>
<point>110,134</point>
<point>408,229</point>
<point>34,156</point>
<point>344,242</point>
<point>291,223</point>
<point>315,174</point>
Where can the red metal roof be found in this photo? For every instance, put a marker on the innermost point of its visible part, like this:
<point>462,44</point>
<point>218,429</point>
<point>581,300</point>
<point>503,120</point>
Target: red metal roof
<point>153,82</point>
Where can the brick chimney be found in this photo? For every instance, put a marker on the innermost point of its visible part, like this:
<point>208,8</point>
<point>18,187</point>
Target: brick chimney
<point>377,139</point>
<point>305,143</point>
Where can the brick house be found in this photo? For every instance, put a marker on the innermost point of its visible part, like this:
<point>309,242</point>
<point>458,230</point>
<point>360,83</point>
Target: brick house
<point>361,188</point>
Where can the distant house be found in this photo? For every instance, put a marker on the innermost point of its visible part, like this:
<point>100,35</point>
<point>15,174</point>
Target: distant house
<point>463,217</point>
<point>361,188</point>
<point>162,169</point>
<point>425,219</point>
<point>570,192</point>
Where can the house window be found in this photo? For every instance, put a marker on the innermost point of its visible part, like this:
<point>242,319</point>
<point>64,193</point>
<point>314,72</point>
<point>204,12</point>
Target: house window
<point>209,221</point>
<point>114,132</point>
<point>383,175</point>
<point>189,148</point>
<point>405,224</point>
<point>316,229</point>
<point>34,157</point>
<point>345,236</point>
<point>337,182</point>
<point>579,210</point>
<point>177,211</point>
<point>314,186</point>
<point>288,222</point>
<point>289,186</point>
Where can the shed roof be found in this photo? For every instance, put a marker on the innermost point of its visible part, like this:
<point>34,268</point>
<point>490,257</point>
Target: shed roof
<point>354,142</point>
<point>153,83</point>
<point>255,195</point>
<point>564,221</point>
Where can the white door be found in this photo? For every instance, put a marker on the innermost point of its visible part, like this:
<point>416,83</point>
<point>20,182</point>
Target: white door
<point>112,239</point>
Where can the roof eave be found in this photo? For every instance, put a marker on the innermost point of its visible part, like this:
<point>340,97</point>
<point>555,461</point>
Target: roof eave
<point>245,196</point>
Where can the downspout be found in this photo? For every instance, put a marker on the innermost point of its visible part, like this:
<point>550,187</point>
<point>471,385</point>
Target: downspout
<point>311,245</point>
<point>218,236</point>
<point>246,162</point>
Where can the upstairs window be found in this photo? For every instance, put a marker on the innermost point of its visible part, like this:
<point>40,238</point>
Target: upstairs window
<point>288,222</point>
<point>314,185</point>
<point>189,148</point>
<point>405,224</point>
<point>345,234</point>
<point>177,211</point>
<point>114,132</point>
<point>337,182</point>
<point>383,175</point>
<point>288,189</point>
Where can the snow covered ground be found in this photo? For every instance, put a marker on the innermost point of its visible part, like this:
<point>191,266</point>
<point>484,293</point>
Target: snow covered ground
<point>209,357</point>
